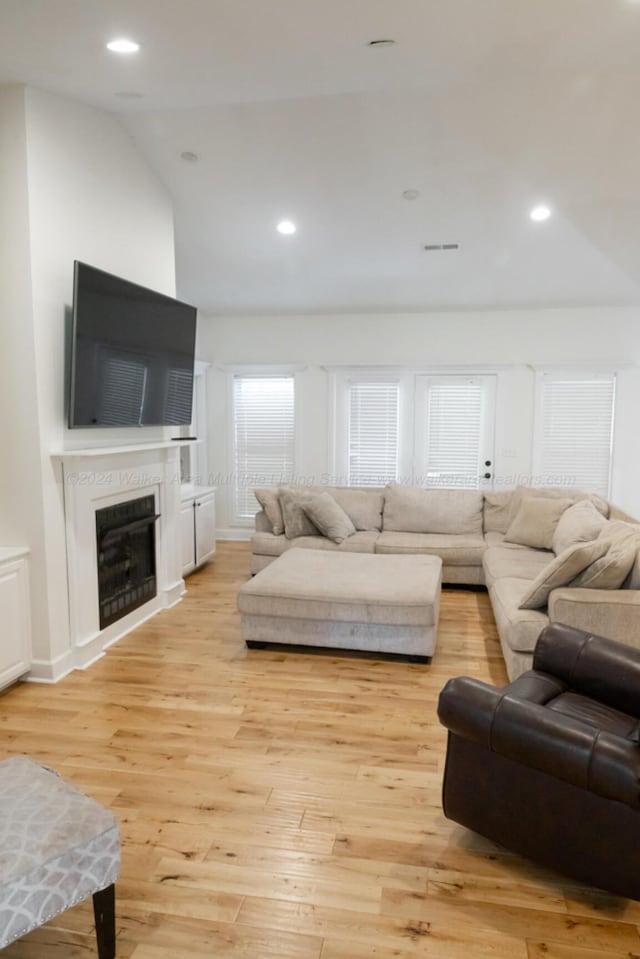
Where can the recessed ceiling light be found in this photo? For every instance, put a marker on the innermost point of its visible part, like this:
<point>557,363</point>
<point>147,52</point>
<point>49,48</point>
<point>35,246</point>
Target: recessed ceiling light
<point>381,43</point>
<point>122,45</point>
<point>410,194</point>
<point>540,213</point>
<point>286,227</point>
<point>189,156</point>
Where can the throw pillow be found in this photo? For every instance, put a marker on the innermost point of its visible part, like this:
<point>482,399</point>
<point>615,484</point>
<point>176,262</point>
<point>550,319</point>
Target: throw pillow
<point>328,516</point>
<point>268,499</point>
<point>562,571</point>
<point>496,513</point>
<point>555,492</point>
<point>581,523</point>
<point>535,522</point>
<point>610,570</point>
<point>296,521</point>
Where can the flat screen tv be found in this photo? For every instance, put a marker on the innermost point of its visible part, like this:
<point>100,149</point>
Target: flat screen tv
<point>132,354</point>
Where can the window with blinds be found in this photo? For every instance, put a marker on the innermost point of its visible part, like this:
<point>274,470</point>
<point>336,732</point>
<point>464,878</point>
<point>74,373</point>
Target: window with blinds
<point>179,396</point>
<point>454,430</point>
<point>263,437</point>
<point>573,433</point>
<point>124,382</point>
<point>373,413</point>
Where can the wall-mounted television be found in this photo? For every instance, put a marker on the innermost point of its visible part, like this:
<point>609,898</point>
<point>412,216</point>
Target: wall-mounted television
<point>132,354</point>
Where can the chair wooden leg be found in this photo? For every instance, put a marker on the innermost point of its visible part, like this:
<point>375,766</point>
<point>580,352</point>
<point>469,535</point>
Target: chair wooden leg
<point>104,911</point>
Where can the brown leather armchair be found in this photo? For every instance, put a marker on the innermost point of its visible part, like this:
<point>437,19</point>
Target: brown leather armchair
<point>549,766</point>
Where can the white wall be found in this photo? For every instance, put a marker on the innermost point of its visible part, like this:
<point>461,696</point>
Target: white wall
<point>514,341</point>
<point>21,506</point>
<point>90,196</point>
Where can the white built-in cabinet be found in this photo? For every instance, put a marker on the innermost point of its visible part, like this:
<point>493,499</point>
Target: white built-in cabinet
<point>197,527</point>
<point>197,500</point>
<point>15,649</point>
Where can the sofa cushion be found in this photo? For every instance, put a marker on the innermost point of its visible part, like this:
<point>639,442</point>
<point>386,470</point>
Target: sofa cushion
<point>492,538</point>
<point>266,544</point>
<point>580,523</point>
<point>410,509</point>
<point>497,511</point>
<point>454,550</point>
<point>270,502</point>
<point>535,522</point>
<point>328,516</point>
<point>362,506</point>
<point>562,571</point>
<point>296,521</point>
<point>519,628</point>
<point>363,541</point>
<point>510,562</point>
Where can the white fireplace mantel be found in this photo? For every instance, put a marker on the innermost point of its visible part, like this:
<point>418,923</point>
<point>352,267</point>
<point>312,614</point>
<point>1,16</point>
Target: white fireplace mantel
<point>94,478</point>
<point>112,450</point>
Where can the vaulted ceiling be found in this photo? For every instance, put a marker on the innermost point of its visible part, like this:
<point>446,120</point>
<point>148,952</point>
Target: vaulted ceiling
<point>485,107</point>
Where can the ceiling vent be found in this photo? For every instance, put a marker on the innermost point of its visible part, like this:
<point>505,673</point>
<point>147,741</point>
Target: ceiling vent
<point>432,247</point>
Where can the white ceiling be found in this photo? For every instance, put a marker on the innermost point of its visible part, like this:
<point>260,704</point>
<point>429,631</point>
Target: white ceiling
<point>484,106</point>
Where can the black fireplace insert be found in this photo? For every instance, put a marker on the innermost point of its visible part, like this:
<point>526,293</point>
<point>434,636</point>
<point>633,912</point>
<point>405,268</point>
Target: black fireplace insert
<point>126,542</point>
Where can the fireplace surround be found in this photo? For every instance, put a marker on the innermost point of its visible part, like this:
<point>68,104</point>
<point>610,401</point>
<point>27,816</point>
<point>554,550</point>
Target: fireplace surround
<point>94,483</point>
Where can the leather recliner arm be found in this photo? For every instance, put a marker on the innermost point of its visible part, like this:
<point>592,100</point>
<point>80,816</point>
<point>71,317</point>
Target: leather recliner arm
<point>600,668</point>
<point>538,737</point>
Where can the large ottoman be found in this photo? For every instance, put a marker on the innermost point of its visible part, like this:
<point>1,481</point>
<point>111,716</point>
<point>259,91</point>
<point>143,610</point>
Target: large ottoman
<point>349,600</point>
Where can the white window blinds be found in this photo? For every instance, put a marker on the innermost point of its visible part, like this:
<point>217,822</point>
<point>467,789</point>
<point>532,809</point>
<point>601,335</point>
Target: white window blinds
<point>263,437</point>
<point>179,396</point>
<point>454,430</point>
<point>373,432</point>
<point>574,430</point>
<point>124,382</point>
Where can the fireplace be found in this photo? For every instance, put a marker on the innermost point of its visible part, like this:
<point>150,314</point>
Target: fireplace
<point>126,548</point>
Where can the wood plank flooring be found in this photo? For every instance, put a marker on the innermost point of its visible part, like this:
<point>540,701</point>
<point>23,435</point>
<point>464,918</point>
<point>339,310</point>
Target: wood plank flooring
<point>286,805</point>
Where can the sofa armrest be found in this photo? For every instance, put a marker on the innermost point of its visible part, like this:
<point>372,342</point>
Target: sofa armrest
<point>614,613</point>
<point>603,669</point>
<point>466,707</point>
<point>262,523</point>
<point>533,735</point>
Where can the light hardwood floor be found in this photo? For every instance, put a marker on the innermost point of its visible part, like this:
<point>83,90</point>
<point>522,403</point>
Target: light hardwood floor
<point>286,805</point>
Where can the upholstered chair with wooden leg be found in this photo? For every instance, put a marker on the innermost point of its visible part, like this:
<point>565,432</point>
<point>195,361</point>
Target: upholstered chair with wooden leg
<point>57,848</point>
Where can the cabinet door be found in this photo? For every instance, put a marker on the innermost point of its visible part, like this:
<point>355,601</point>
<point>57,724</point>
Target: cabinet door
<point>205,528</point>
<point>15,649</point>
<point>187,537</point>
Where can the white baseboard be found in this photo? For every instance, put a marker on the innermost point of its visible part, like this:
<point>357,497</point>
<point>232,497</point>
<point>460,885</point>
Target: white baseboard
<point>50,670</point>
<point>92,649</point>
<point>237,535</point>
<point>174,593</point>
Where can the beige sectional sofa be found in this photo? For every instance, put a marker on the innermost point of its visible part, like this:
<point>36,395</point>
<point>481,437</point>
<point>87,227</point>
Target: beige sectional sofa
<point>468,530</point>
